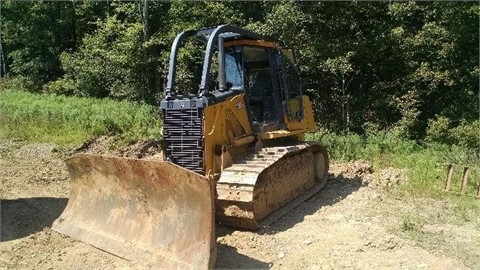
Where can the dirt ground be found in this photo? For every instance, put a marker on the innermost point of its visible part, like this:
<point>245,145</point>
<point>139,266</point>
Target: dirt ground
<point>353,223</point>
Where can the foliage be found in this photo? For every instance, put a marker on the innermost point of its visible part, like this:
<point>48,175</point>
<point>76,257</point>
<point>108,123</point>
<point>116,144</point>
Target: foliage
<point>48,117</point>
<point>439,130</point>
<point>109,63</point>
<point>465,134</point>
<point>371,146</point>
<point>398,65</point>
<point>387,148</point>
<point>34,37</point>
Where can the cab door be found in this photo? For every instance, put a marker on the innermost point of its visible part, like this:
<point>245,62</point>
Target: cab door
<point>292,88</point>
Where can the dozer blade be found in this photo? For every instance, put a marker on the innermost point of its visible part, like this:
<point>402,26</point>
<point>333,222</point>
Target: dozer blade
<point>151,212</point>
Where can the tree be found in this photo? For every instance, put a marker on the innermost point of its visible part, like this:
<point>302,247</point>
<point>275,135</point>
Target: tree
<point>111,61</point>
<point>342,74</point>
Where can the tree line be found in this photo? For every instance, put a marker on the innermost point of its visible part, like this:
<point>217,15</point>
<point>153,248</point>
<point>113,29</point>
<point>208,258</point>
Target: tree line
<point>409,67</point>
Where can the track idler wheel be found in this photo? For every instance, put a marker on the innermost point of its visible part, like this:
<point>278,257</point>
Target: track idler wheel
<point>320,164</point>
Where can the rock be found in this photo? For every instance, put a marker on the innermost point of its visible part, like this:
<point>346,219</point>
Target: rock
<point>307,242</point>
<point>355,169</point>
<point>387,178</point>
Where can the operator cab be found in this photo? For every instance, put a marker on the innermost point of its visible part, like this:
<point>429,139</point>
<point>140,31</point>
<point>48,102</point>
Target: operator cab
<point>258,70</point>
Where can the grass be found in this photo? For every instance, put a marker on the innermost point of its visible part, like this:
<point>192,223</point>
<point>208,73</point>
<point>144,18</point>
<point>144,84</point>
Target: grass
<point>422,161</point>
<point>72,120</point>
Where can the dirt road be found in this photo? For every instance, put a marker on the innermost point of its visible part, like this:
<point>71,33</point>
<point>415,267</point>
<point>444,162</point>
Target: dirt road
<point>353,223</point>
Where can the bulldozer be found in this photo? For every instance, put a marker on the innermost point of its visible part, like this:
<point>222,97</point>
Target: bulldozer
<point>234,154</point>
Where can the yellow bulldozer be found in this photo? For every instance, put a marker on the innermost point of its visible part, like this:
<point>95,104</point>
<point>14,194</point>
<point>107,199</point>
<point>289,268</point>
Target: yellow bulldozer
<point>234,153</point>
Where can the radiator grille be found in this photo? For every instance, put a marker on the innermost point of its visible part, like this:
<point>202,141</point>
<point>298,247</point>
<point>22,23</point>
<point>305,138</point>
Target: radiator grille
<point>182,130</point>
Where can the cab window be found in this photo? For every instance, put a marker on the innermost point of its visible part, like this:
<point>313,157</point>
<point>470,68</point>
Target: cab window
<point>233,67</point>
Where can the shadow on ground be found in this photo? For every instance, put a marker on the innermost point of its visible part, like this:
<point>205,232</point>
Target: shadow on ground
<point>336,189</point>
<point>25,216</point>
<point>236,260</point>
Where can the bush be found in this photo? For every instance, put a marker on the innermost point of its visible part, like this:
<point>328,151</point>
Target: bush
<point>111,62</point>
<point>340,147</point>
<point>61,87</point>
<point>466,134</point>
<point>439,130</point>
<point>17,82</point>
<point>373,144</point>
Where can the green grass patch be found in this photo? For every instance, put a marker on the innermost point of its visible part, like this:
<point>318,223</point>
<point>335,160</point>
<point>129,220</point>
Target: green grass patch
<point>72,120</point>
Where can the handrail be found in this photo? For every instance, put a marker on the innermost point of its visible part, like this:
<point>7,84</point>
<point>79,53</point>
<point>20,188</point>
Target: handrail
<point>172,69</point>
<point>225,28</point>
<point>214,34</point>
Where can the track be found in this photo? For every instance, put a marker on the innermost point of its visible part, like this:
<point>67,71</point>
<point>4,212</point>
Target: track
<point>261,182</point>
